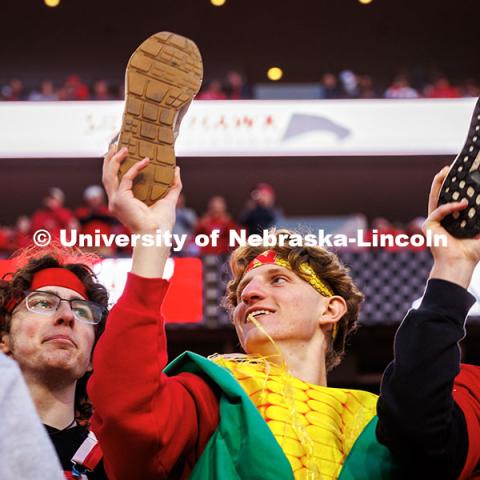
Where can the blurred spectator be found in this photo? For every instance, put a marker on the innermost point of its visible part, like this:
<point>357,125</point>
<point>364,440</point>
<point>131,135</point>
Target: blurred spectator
<point>5,240</point>
<point>330,87</point>
<point>382,227</point>
<point>101,91</point>
<point>46,94</point>
<point>213,91</point>
<point>235,86</point>
<point>22,234</point>
<point>365,87</point>
<point>216,218</point>
<point>54,217</point>
<point>400,88</point>
<point>349,84</point>
<point>94,216</point>
<point>261,213</point>
<point>74,89</point>
<point>346,85</point>
<point>186,220</point>
<point>14,91</point>
<point>119,91</point>
<point>470,88</point>
<point>441,88</point>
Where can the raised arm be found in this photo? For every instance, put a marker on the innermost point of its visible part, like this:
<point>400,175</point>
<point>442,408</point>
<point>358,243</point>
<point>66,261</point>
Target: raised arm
<point>418,418</point>
<point>149,426</point>
<point>139,219</point>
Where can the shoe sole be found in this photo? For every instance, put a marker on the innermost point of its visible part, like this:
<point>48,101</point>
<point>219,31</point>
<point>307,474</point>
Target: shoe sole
<point>463,181</point>
<point>163,76</point>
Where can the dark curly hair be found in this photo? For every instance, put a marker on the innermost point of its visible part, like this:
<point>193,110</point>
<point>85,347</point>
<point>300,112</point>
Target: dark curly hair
<point>20,281</point>
<point>326,265</point>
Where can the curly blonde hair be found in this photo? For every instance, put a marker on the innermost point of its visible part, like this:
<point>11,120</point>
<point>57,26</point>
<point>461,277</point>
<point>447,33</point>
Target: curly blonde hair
<point>326,265</point>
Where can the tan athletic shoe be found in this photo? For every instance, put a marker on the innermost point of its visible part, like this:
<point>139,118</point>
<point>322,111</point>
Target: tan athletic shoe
<point>163,76</point>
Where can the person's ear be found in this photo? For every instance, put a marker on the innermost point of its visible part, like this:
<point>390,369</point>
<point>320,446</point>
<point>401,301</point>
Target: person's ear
<point>335,309</point>
<point>5,344</point>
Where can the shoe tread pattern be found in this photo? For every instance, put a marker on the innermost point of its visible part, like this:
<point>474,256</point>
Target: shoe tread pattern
<point>463,181</point>
<point>163,76</point>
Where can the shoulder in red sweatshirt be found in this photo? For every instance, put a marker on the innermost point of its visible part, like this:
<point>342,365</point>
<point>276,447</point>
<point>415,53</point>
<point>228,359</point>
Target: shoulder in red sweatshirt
<point>149,425</point>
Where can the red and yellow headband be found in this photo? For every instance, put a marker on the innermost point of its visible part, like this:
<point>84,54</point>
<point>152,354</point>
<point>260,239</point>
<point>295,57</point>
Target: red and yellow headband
<point>271,257</point>
<point>58,277</point>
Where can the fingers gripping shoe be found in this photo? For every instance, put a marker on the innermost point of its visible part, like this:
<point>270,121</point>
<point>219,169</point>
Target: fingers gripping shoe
<point>463,181</point>
<point>163,76</point>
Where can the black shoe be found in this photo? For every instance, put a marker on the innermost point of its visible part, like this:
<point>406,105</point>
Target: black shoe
<point>463,181</point>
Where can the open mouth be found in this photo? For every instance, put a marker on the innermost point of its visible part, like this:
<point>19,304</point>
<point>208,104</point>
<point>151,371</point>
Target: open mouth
<point>257,314</point>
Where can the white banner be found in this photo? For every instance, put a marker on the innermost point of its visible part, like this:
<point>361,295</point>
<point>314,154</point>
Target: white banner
<point>247,128</point>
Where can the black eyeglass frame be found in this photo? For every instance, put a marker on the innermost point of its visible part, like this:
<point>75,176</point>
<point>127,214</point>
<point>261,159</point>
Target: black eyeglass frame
<point>98,311</point>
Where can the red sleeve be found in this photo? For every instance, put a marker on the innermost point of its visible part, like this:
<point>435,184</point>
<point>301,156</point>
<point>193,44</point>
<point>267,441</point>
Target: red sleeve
<point>466,393</point>
<point>149,425</point>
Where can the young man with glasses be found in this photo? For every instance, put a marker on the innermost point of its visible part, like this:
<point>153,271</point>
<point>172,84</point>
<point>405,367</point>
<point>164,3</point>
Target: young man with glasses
<point>52,312</point>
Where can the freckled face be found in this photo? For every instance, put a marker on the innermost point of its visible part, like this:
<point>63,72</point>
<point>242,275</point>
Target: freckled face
<point>286,306</point>
<point>53,342</point>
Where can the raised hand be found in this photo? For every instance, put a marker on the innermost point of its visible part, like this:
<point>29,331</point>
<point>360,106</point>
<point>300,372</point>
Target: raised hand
<point>133,213</point>
<point>456,261</point>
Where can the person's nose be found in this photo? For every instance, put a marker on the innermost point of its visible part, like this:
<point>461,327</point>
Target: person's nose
<point>64,314</point>
<point>253,291</point>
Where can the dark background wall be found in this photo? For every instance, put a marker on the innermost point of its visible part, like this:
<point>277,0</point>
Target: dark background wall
<point>307,37</point>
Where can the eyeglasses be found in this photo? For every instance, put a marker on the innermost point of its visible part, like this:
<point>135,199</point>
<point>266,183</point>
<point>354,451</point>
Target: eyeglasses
<point>46,303</point>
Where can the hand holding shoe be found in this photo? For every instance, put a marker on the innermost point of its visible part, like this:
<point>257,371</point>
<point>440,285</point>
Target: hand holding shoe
<point>458,259</point>
<point>133,213</point>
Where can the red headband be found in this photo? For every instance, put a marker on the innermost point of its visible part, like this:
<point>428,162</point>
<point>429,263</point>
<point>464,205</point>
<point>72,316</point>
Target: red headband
<point>265,258</point>
<point>58,277</point>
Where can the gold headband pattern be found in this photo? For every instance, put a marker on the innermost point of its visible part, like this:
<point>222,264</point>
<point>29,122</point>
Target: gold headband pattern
<point>271,257</point>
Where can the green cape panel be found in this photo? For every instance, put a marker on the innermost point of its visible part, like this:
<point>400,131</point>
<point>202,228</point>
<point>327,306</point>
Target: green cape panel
<point>368,459</point>
<point>243,446</point>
